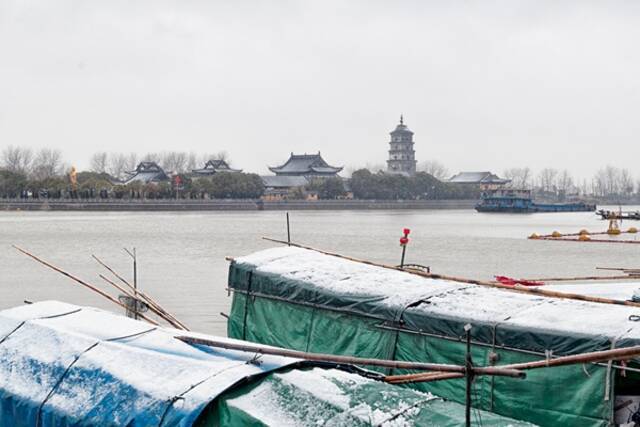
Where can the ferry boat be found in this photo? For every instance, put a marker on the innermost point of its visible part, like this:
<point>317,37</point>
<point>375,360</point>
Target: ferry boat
<point>521,201</point>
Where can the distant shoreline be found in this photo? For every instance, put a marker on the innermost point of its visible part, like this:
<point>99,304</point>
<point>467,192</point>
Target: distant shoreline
<point>228,205</point>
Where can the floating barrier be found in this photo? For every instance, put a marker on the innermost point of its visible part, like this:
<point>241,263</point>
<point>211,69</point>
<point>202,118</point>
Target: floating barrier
<point>586,235</point>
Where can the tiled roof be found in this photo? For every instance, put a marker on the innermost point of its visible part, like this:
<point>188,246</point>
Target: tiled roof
<point>147,172</point>
<point>213,166</point>
<point>401,128</point>
<point>477,178</point>
<point>305,164</point>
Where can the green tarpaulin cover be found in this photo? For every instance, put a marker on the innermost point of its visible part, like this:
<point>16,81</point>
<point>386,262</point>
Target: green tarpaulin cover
<point>305,300</point>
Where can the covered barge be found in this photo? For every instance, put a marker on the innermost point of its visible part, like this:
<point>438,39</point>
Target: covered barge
<point>305,300</point>
<point>65,365</point>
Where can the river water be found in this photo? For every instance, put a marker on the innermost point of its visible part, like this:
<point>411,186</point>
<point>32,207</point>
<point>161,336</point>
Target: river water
<point>181,256</point>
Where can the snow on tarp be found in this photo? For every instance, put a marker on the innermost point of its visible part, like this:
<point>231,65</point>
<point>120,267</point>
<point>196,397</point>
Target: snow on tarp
<point>62,364</point>
<point>331,397</point>
<point>431,305</point>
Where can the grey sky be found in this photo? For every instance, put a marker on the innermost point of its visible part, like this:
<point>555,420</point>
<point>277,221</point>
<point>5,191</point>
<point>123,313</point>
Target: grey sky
<point>484,85</point>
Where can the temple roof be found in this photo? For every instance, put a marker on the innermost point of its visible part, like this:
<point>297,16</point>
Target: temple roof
<point>214,166</point>
<point>147,172</point>
<point>477,178</point>
<point>305,164</point>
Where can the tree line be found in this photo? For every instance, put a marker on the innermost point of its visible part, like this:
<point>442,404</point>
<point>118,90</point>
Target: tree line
<point>35,173</point>
<point>609,183</point>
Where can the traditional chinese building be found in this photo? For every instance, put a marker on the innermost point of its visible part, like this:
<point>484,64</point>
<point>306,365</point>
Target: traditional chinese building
<point>307,165</point>
<point>402,156</point>
<point>212,167</point>
<point>147,172</point>
<point>485,180</point>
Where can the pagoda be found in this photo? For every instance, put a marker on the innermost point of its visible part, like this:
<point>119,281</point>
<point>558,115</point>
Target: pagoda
<point>402,156</point>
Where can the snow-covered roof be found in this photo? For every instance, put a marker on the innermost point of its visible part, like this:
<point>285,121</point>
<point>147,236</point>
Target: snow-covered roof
<point>62,364</point>
<point>86,364</point>
<point>214,166</point>
<point>477,178</point>
<point>147,172</point>
<point>394,291</point>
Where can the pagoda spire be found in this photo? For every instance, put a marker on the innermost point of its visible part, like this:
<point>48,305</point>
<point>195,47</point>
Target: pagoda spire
<point>401,119</point>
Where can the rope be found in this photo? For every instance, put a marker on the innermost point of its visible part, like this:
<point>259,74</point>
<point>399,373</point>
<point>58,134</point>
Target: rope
<point>75,360</point>
<point>55,386</point>
<point>180,396</point>
<point>10,333</point>
<point>37,318</point>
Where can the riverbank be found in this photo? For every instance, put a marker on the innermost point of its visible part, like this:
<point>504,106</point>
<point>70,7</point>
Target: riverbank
<point>227,205</point>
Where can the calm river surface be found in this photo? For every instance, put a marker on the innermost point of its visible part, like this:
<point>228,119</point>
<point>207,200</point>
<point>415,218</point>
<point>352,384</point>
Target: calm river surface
<point>181,255</point>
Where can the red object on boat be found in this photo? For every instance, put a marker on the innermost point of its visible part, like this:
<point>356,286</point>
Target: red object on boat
<point>510,281</point>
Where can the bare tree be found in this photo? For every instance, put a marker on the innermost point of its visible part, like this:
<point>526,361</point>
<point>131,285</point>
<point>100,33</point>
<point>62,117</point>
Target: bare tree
<point>47,164</point>
<point>192,161</point>
<point>174,161</point>
<point>612,181</point>
<point>520,177</point>
<point>131,162</point>
<point>547,180</point>
<point>17,159</point>
<point>118,165</point>
<point>625,183</point>
<point>100,162</point>
<point>152,157</point>
<point>435,168</point>
<point>564,182</point>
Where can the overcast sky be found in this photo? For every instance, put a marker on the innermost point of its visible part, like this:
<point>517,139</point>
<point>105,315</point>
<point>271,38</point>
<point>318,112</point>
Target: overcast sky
<point>484,85</point>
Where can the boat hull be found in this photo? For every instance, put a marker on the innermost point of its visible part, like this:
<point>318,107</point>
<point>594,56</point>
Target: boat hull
<point>536,208</point>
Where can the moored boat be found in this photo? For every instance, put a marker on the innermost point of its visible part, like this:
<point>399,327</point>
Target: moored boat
<point>309,301</point>
<point>607,214</point>
<point>65,365</point>
<point>508,200</point>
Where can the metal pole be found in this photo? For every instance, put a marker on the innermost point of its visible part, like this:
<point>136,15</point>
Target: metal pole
<point>404,250</point>
<point>135,280</point>
<point>469,376</point>
<point>288,231</point>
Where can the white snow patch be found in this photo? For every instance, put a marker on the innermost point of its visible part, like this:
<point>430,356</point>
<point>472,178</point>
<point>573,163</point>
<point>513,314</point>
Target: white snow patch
<point>262,404</point>
<point>394,288</point>
<point>456,299</point>
<point>318,386</point>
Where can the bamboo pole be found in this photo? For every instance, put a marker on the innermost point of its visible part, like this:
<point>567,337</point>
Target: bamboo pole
<point>592,357</point>
<point>515,288</point>
<point>152,308</point>
<point>631,270</point>
<point>575,279</point>
<point>144,295</point>
<point>80,281</point>
<point>321,357</point>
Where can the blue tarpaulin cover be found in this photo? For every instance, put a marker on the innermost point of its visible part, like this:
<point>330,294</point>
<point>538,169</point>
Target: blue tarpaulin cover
<point>62,365</point>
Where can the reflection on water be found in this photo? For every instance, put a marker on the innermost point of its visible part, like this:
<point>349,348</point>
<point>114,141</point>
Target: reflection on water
<point>181,255</point>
